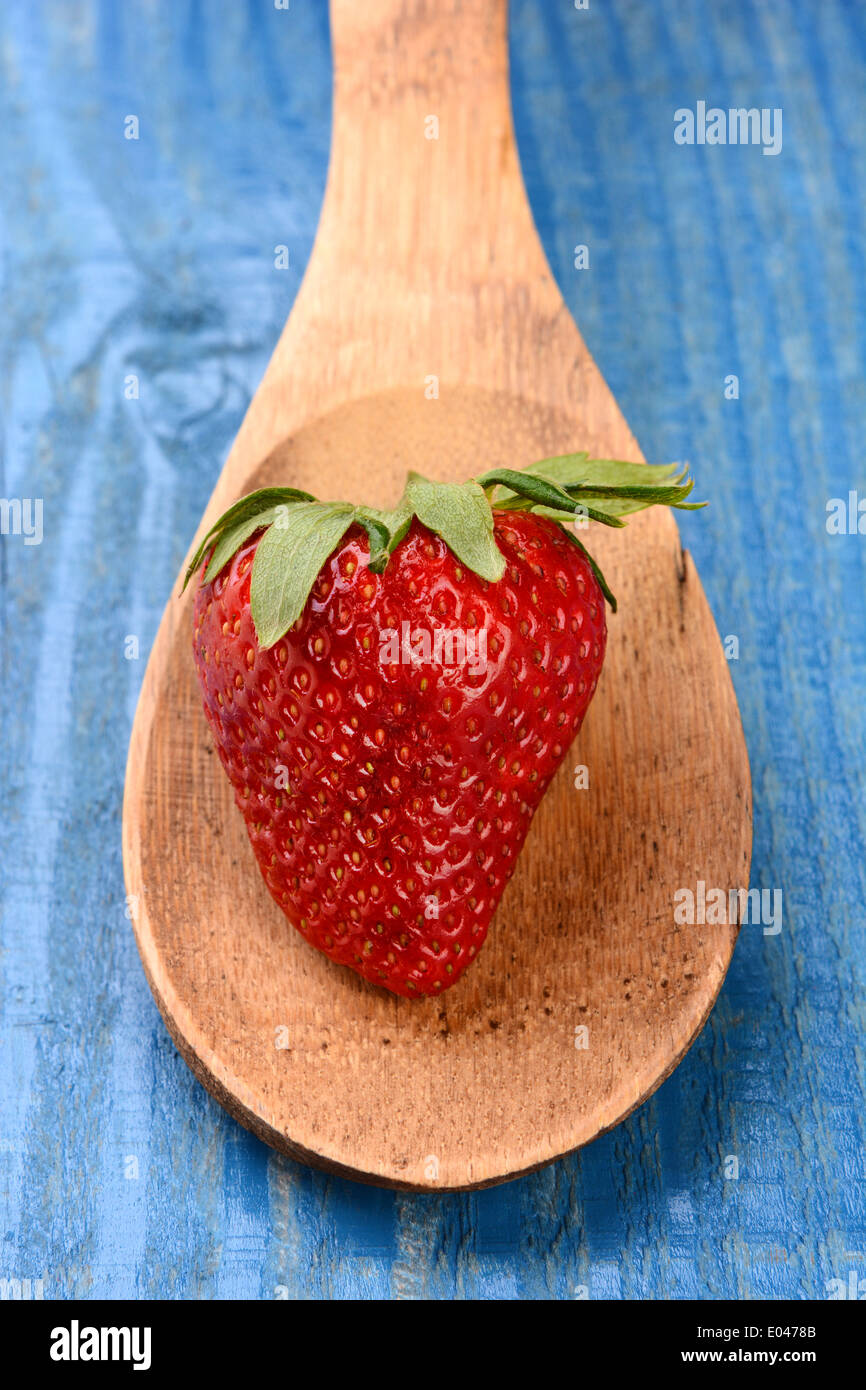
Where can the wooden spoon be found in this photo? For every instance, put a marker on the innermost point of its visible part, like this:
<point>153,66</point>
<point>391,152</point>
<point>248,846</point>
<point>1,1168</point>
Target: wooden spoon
<point>429,333</point>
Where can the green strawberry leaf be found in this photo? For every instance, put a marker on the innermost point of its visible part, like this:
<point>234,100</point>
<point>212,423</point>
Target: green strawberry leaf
<point>230,541</point>
<point>605,488</point>
<point>530,486</point>
<point>379,535</point>
<point>593,564</point>
<point>459,513</point>
<point>288,559</point>
<point>611,486</point>
<point>396,523</point>
<point>544,498</point>
<point>246,507</point>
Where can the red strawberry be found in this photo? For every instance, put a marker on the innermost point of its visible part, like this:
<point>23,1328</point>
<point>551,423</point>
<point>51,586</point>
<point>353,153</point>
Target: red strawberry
<point>390,710</point>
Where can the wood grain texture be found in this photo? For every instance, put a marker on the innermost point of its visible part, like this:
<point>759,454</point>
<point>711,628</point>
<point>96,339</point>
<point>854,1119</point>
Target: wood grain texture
<point>119,1175</point>
<point>497,1077</point>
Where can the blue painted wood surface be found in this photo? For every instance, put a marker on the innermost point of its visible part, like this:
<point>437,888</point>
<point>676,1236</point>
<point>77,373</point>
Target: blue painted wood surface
<point>154,258</point>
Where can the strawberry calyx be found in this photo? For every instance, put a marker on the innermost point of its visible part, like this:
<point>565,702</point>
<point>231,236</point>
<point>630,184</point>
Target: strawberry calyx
<point>300,532</point>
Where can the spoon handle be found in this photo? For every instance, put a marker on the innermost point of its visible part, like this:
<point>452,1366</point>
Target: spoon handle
<point>424,185</point>
<point>426,269</point>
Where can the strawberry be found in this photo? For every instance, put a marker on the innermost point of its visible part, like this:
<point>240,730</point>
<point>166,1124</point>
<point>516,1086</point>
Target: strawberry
<point>391,693</point>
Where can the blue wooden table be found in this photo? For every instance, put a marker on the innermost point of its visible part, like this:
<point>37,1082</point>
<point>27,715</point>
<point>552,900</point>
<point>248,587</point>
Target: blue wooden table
<point>140,303</point>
